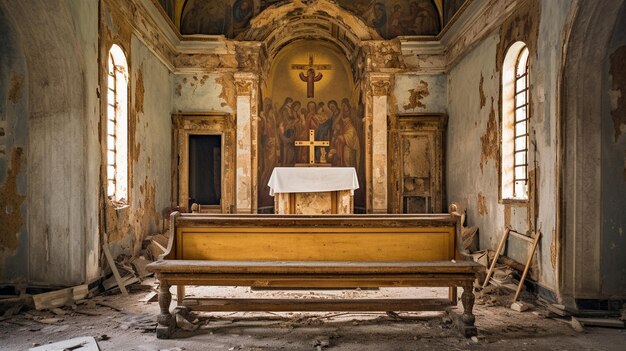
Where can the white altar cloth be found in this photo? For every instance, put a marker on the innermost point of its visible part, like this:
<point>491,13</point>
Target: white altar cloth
<point>312,179</point>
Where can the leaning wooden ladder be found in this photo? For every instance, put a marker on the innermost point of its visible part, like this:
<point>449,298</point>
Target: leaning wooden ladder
<point>535,242</point>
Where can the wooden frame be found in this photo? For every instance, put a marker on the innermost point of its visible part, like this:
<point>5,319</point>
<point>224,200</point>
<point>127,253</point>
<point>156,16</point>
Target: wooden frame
<point>187,124</point>
<point>425,125</point>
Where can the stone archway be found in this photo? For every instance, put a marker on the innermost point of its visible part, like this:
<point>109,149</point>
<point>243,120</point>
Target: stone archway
<point>585,272</point>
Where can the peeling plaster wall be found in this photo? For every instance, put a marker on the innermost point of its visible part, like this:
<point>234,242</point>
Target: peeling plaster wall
<point>473,150</point>
<point>613,165</point>
<point>149,128</point>
<point>51,114</point>
<point>151,106</point>
<point>203,92</point>
<point>13,144</point>
<point>421,93</point>
<point>473,181</point>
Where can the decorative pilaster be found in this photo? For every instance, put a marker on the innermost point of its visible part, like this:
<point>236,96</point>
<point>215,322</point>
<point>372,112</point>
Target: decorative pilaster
<point>380,88</point>
<point>245,85</point>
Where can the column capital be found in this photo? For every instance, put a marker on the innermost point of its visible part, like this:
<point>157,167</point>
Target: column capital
<point>244,83</point>
<point>380,83</point>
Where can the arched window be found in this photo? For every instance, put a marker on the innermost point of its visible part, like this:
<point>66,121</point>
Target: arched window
<point>515,116</point>
<point>117,126</point>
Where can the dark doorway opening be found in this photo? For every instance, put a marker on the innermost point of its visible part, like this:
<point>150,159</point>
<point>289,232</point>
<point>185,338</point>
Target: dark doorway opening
<point>205,170</point>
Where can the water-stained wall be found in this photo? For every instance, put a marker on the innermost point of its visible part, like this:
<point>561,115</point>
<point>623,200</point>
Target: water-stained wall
<point>474,134</point>
<point>149,133</point>
<point>49,187</point>
<point>13,148</point>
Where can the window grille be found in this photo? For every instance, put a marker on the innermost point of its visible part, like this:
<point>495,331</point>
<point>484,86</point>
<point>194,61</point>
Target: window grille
<point>521,139</point>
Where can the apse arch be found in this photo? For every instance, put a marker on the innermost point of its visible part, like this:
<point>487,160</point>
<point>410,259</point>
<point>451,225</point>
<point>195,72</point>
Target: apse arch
<point>291,105</point>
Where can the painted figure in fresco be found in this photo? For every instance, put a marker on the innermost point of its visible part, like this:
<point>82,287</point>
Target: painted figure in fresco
<point>169,8</point>
<point>287,133</point>
<point>380,18</point>
<point>348,145</point>
<point>311,115</point>
<point>407,21</point>
<point>302,132</point>
<point>268,139</point>
<point>310,80</point>
<point>427,19</point>
<point>203,17</point>
<point>395,27</point>
<point>450,9</point>
<point>324,129</point>
<point>243,10</point>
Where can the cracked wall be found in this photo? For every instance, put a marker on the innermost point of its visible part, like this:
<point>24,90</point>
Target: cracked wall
<point>474,133</point>
<point>149,129</point>
<point>51,102</point>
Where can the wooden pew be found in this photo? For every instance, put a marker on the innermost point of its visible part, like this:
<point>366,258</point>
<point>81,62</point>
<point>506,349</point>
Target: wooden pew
<point>330,251</point>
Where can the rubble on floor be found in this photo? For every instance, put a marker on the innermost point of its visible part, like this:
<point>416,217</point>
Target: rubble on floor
<point>120,322</point>
<point>86,343</point>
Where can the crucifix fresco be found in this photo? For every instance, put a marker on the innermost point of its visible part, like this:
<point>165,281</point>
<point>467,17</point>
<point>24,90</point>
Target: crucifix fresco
<point>309,116</point>
<point>312,74</point>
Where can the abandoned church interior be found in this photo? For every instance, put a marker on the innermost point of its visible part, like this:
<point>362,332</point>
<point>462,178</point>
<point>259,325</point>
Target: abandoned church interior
<point>312,174</point>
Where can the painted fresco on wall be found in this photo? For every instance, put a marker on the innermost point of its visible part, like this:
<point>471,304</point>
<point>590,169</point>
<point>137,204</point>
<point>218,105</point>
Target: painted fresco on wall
<point>450,8</point>
<point>267,3</point>
<point>390,18</point>
<point>292,106</point>
<point>169,6</point>
<point>203,17</point>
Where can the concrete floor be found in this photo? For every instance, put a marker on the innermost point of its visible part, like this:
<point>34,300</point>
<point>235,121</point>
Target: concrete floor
<point>499,327</point>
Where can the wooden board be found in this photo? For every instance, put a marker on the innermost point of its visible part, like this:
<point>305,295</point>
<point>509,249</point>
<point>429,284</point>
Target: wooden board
<point>116,273</point>
<point>320,305</point>
<point>382,244</point>
<point>313,267</point>
<point>84,343</point>
<point>319,280</point>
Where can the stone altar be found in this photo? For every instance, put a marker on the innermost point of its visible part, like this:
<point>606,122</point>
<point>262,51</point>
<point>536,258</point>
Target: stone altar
<point>309,191</point>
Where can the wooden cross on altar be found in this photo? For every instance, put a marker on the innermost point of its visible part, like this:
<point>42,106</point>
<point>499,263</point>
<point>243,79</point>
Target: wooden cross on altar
<point>312,143</point>
<point>312,74</point>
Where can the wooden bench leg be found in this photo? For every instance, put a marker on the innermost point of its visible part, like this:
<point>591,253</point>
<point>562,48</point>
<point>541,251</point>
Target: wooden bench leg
<point>166,325</point>
<point>467,319</point>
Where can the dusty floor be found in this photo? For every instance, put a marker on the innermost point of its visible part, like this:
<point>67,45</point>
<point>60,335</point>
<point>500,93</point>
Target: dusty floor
<point>499,327</point>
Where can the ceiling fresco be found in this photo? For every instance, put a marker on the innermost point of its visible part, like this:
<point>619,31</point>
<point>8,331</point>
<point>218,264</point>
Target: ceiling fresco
<point>390,18</point>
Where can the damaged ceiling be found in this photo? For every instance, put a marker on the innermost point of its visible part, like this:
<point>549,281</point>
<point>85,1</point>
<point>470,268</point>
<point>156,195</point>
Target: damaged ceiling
<point>234,18</point>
